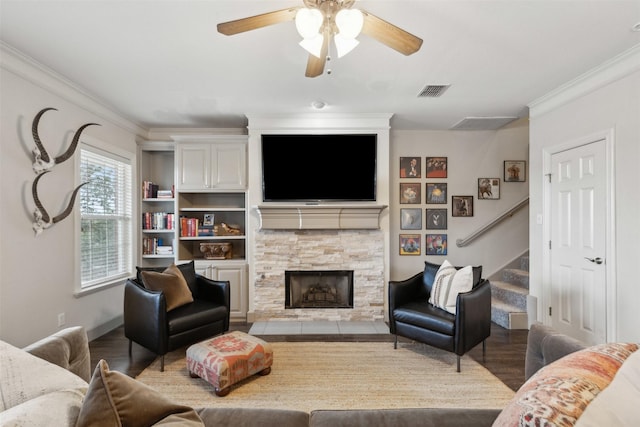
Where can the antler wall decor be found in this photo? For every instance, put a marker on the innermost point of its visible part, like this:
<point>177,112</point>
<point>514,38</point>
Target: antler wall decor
<point>41,217</point>
<point>43,164</point>
<point>41,159</point>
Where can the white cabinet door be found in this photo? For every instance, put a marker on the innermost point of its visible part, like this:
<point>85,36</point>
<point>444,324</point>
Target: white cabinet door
<point>228,166</point>
<point>194,163</point>
<point>212,166</point>
<point>237,277</point>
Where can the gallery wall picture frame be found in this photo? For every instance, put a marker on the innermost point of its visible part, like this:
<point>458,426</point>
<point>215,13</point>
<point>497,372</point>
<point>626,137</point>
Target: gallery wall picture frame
<point>488,188</point>
<point>436,167</point>
<point>436,219</point>
<point>515,170</point>
<point>435,244</point>
<point>410,244</point>
<point>410,193</point>
<point>410,167</point>
<point>411,219</point>
<point>436,193</point>
<point>461,205</point>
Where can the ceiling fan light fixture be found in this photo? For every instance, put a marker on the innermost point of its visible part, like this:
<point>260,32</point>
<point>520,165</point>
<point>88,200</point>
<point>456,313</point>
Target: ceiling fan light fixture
<point>344,45</point>
<point>308,22</point>
<point>349,22</point>
<point>313,45</point>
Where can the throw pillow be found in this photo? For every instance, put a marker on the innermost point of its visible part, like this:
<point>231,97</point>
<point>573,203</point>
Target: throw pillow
<point>558,393</point>
<point>172,283</point>
<point>115,399</point>
<point>448,283</point>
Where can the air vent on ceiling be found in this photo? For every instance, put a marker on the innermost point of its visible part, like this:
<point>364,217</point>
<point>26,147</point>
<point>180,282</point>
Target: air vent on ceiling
<point>482,123</point>
<point>433,91</point>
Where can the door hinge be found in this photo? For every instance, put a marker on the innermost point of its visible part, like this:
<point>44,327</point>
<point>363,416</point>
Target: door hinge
<point>549,244</point>
<point>549,310</point>
<point>548,175</point>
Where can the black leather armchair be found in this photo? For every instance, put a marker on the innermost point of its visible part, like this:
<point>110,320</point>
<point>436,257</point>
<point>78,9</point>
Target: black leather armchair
<point>411,315</point>
<point>147,322</point>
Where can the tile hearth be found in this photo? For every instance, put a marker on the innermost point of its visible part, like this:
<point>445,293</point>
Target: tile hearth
<point>321,327</point>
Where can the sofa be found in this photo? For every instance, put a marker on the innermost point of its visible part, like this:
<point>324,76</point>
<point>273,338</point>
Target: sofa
<point>603,380</point>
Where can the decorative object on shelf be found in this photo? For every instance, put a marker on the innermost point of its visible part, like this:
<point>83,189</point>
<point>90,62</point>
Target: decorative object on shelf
<point>515,170</point>
<point>41,160</point>
<point>321,21</point>
<point>216,250</point>
<point>208,219</point>
<point>41,219</point>
<point>411,219</point>
<point>436,167</point>
<point>230,230</point>
<point>410,193</point>
<point>437,193</point>
<point>488,188</point>
<point>436,219</point>
<point>436,244</point>
<point>410,167</point>
<point>410,244</point>
<point>462,205</point>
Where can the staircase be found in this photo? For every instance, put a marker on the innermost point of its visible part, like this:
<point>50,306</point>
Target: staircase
<point>509,292</point>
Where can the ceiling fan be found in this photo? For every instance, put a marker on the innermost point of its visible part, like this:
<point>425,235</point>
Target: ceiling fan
<point>321,21</point>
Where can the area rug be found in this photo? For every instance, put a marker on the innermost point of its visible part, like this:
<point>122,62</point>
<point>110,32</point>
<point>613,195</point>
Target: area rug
<point>342,375</point>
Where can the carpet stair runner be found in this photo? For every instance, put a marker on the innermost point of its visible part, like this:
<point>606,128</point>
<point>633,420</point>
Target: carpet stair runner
<point>509,292</point>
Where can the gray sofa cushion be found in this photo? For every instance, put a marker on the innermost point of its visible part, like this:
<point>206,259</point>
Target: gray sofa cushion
<point>545,345</point>
<point>252,417</point>
<point>424,417</point>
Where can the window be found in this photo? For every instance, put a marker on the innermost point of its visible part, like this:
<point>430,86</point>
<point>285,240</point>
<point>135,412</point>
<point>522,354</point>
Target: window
<point>105,217</point>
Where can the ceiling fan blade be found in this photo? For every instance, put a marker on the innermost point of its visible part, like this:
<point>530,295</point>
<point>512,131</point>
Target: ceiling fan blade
<point>258,21</point>
<point>315,65</point>
<point>390,35</point>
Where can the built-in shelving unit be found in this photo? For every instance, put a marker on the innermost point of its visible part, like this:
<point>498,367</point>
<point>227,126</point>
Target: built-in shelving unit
<point>156,166</point>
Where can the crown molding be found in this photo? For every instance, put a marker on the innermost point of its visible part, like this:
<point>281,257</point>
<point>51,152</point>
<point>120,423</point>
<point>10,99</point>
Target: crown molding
<point>610,71</point>
<point>27,68</point>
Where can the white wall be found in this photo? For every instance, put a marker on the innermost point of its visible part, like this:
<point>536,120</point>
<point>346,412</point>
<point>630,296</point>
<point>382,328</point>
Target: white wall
<point>605,100</point>
<point>37,280</point>
<point>471,155</point>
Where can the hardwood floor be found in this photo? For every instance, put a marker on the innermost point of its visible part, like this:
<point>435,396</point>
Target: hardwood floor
<point>504,355</point>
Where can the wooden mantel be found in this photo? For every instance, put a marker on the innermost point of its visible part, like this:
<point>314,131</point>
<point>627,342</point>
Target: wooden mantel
<point>316,217</point>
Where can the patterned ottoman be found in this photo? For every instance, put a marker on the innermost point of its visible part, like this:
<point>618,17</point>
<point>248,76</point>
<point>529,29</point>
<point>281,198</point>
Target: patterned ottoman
<point>227,359</point>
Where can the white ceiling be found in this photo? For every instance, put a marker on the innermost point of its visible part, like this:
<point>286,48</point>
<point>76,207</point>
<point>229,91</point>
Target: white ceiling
<point>163,64</point>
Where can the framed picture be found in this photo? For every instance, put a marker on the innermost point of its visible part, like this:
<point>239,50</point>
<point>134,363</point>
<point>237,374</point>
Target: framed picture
<point>208,219</point>
<point>436,167</point>
<point>461,205</point>
<point>436,244</point>
<point>411,219</point>
<point>410,244</point>
<point>410,193</point>
<point>515,171</point>
<point>410,167</point>
<point>436,219</point>
<point>437,193</point>
<point>488,188</point>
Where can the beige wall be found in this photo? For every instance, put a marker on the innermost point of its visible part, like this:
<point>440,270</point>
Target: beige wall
<point>471,155</point>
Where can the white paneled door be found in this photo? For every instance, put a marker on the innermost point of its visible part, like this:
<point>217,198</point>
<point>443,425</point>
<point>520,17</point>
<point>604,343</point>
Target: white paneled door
<point>578,242</point>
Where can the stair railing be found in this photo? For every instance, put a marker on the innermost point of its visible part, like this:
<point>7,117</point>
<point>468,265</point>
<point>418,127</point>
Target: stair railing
<point>508,214</point>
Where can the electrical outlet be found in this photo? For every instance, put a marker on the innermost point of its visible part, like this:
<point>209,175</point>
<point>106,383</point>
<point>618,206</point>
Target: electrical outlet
<point>61,319</point>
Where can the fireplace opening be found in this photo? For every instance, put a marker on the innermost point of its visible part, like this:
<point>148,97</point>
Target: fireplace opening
<point>319,289</point>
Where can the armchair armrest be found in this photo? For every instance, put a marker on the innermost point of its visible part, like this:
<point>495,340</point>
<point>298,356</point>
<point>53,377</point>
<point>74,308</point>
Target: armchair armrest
<point>473,316</point>
<point>216,291</point>
<point>145,319</point>
<point>402,292</point>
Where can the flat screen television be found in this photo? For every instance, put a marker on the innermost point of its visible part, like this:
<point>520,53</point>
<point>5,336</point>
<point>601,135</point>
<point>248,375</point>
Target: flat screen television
<point>319,168</point>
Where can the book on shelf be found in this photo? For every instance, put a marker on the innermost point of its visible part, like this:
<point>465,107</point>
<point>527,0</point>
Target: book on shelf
<point>158,221</point>
<point>155,246</point>
<point>151,190</point>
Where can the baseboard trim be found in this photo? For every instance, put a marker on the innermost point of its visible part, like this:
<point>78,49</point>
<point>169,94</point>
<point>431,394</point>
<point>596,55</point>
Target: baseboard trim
<point>105,328</point>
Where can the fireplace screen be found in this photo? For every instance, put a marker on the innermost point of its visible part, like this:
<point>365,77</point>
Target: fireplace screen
<point>319,289</point>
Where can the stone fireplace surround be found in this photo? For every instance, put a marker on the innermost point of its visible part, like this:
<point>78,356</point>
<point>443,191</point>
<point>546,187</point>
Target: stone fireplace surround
<point>280,250</point>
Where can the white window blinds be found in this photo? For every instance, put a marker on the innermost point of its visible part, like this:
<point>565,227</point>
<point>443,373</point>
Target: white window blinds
<point>106,217</point>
